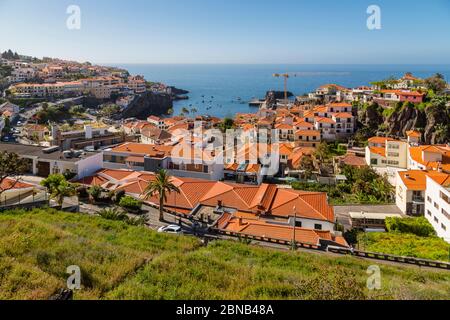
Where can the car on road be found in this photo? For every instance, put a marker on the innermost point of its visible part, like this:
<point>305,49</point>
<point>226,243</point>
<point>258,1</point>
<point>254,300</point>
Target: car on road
<point>174,229</point>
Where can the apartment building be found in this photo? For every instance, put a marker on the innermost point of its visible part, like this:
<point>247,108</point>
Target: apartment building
<point>437,205</point>
<point>45,161</point>
<point>429,157</point>
<point>386,152</point>
<point>89,137</point>
<point>181,160</point>
<point>22,74</point>
<point>392,96</point>
<point>410,192</point>
<point>57,89</point>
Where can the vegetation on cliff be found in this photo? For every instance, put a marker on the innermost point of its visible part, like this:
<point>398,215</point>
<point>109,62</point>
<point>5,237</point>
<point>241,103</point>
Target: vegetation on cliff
<point>431,118</point>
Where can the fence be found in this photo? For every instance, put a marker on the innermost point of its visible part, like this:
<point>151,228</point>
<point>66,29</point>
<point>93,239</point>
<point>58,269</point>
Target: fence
<point>391,258</point>
<point>267,239</point>
<point>28,200</point>
<point>343,251</point>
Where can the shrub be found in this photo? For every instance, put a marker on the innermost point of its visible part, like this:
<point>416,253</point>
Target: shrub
<point>82,192</point>
<point>118,215</point>
<point>418,226</point>
<point>95,192</point>
<point>118,195</point>
<point>69,175</point>
<point>130,203</point>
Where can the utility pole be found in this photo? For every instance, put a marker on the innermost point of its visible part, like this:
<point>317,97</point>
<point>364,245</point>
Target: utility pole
<point>294,241</point>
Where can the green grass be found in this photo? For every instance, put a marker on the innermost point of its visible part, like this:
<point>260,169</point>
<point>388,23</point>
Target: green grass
<point>119,261</point>
<point>405,244</point>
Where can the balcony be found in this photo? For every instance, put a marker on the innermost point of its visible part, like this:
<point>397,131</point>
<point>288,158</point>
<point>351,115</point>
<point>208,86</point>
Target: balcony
<point>418,200</point>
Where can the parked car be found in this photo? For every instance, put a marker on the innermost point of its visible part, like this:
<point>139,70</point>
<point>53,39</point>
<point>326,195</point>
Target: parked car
<point>174,229</point>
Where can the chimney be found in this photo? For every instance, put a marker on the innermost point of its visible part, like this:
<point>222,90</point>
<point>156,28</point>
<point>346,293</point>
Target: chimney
<point>240,221</point>
<point>219,203</point>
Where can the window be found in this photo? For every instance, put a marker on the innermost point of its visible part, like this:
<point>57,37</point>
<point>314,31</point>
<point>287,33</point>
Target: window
<point>318,226</point>
<point>429,212</point>
<point>445,213</point>
<point>436,220</point>
<point>298,224</point>
<point>374,161</point>
<point>394,163</point>
<point>436,205</point>
<point>429,199</point>
<point>444,197</point>
<point>393,154</point>
<point>443,227</point>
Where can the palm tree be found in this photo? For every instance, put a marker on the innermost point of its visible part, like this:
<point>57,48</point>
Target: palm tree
<point>58,187</point>
<point>65,189</point>
<point>162,185</point>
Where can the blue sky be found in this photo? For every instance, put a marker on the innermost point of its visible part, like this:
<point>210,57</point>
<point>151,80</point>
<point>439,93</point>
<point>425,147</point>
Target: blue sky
<point>230,31</point>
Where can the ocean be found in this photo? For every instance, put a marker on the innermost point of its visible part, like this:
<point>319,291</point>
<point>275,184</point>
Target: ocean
<point>224,90</point>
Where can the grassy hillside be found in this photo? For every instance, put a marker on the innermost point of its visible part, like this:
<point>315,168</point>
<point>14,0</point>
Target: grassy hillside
<point>404,244</point>
<point>119,261</point>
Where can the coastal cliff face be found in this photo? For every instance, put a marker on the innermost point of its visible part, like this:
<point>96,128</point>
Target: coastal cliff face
<point>433,121</point>
<point>404,120</point>
<point>148,104</point>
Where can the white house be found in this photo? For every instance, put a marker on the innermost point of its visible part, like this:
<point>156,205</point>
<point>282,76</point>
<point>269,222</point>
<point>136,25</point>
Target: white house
<point>387,152</point>
<point>437,205</point>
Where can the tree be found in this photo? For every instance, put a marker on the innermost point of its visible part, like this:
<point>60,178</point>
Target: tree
<point>58,187</point>
<point>307,165</point>
<point>95,192</point>
<point>226,124</point>
<point>110,110</point>
<point>7,128</point>
<point>161,186</point>
<point>436,83</point>
<point>11,168</point>
<point>322,152</point>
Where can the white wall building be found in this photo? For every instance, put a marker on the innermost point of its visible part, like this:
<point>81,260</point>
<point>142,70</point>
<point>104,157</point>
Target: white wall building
<point>437,205</point>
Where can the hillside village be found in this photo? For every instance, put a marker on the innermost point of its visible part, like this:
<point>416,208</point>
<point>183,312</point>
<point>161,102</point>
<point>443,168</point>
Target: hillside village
<point>265,179</point>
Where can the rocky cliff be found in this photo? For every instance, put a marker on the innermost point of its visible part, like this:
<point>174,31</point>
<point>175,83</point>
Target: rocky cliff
<point>147,104</point>
<point>433,121</point>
